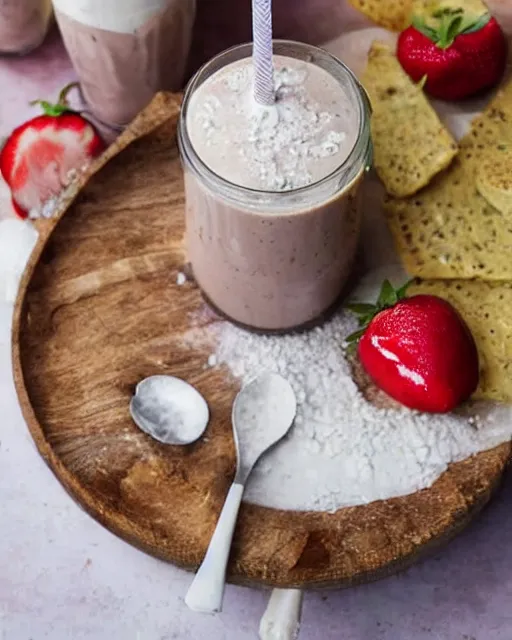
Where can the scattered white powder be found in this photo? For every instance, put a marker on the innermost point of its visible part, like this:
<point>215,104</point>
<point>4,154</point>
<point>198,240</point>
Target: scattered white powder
<point>304,137</point>
<point>48,209</point>
<point>51,207</point>
<point>181,278</point>
<point>17,239</point>
<point>343,450</point>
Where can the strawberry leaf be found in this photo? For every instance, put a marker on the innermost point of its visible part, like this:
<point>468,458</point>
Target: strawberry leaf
<point>402,291</point>
<point>453,31</point>
<point>387,296</point>
<point>50,109</point>
<point>475,25</point>
<point>448,25</point>
<point>420,25</point>
<point>361,308</point>
<point>60,107</point>
<point>448,30</point>
<point>354,337</point>
<point>366,312</point>
<point>364,321</point>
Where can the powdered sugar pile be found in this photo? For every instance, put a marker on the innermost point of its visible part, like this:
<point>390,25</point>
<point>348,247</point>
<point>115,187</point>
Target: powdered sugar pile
<point>343,450</point>
<point>305,136</point>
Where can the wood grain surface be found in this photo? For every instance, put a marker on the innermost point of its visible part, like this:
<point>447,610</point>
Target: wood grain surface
<point>98,310</point>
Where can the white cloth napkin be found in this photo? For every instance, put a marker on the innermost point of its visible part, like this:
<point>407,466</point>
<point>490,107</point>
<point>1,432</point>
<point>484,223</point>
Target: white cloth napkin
<point>17,239</point>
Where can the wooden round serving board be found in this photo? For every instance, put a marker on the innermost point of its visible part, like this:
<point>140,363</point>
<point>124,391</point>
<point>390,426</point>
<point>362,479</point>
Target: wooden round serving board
<point>98,310</point>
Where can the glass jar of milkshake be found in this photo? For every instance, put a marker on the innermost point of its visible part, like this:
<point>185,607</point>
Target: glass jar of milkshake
<point>272,207</point>
<point>125,52</point>
<point>23,25</point>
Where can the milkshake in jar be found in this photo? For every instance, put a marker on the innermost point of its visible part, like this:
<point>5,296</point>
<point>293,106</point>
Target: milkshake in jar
<point>23,25</point>
<point>125,52</point>
<point>272,208</point>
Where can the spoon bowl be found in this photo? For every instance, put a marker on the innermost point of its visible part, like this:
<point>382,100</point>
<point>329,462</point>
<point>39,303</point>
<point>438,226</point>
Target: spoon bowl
<point>169,409</point>
<point>262,415</point>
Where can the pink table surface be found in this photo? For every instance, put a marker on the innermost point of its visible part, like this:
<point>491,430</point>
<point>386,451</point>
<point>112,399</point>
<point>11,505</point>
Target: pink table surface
<point>62,576</point>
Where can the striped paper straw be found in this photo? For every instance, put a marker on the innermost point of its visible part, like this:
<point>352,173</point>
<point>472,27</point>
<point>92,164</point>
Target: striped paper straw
<point>262,51</point>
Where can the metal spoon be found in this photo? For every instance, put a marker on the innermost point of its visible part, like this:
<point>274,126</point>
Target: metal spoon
<point>169,410</point>
<point>263,413</point>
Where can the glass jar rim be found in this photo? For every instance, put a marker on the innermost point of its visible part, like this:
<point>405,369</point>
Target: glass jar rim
<point>361,144</point>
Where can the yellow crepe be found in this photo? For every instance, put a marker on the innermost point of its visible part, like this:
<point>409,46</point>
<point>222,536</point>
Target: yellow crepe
<point>487,309</point>
<point>390,14</point>
<point>449,230</point>
<point>410,143</point>
<point>428,7</point>
<point>494,181</point>
<point>396,15</point>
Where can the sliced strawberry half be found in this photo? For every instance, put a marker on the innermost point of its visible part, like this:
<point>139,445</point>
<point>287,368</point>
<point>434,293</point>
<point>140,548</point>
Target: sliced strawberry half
<point>38,157</point>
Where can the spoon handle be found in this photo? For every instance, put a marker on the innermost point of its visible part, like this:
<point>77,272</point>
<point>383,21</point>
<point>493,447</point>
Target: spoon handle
<point>207,589</point>
<point>281,620</point>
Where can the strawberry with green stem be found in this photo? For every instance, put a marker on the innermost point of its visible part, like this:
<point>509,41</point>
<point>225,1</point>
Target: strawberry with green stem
<point>457,54</point>
<point>418,349</point>
<point>37,158</point>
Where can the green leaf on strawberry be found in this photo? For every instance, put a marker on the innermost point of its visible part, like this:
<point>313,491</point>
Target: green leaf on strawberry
<point>472,26</point>
<point>420,25</point>
<point>455,54</point>
<point>449,23</point>
<point>365,312</point>
<point>61,106</point>
<point>50,109</point>
<point>361,308</point>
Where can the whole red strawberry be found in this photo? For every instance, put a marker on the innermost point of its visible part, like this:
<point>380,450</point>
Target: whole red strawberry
<point>458,55</point>
<point>37,158</point>
<point>418,350</point>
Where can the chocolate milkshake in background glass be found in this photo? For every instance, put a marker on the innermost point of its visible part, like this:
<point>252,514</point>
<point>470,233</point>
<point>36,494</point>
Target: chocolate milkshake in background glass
<point>124,51</point>
<point>23,25</point>
<point>272,207</point>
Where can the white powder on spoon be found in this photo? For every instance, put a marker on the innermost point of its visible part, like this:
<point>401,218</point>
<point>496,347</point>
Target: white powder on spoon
<point>344,451</point>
